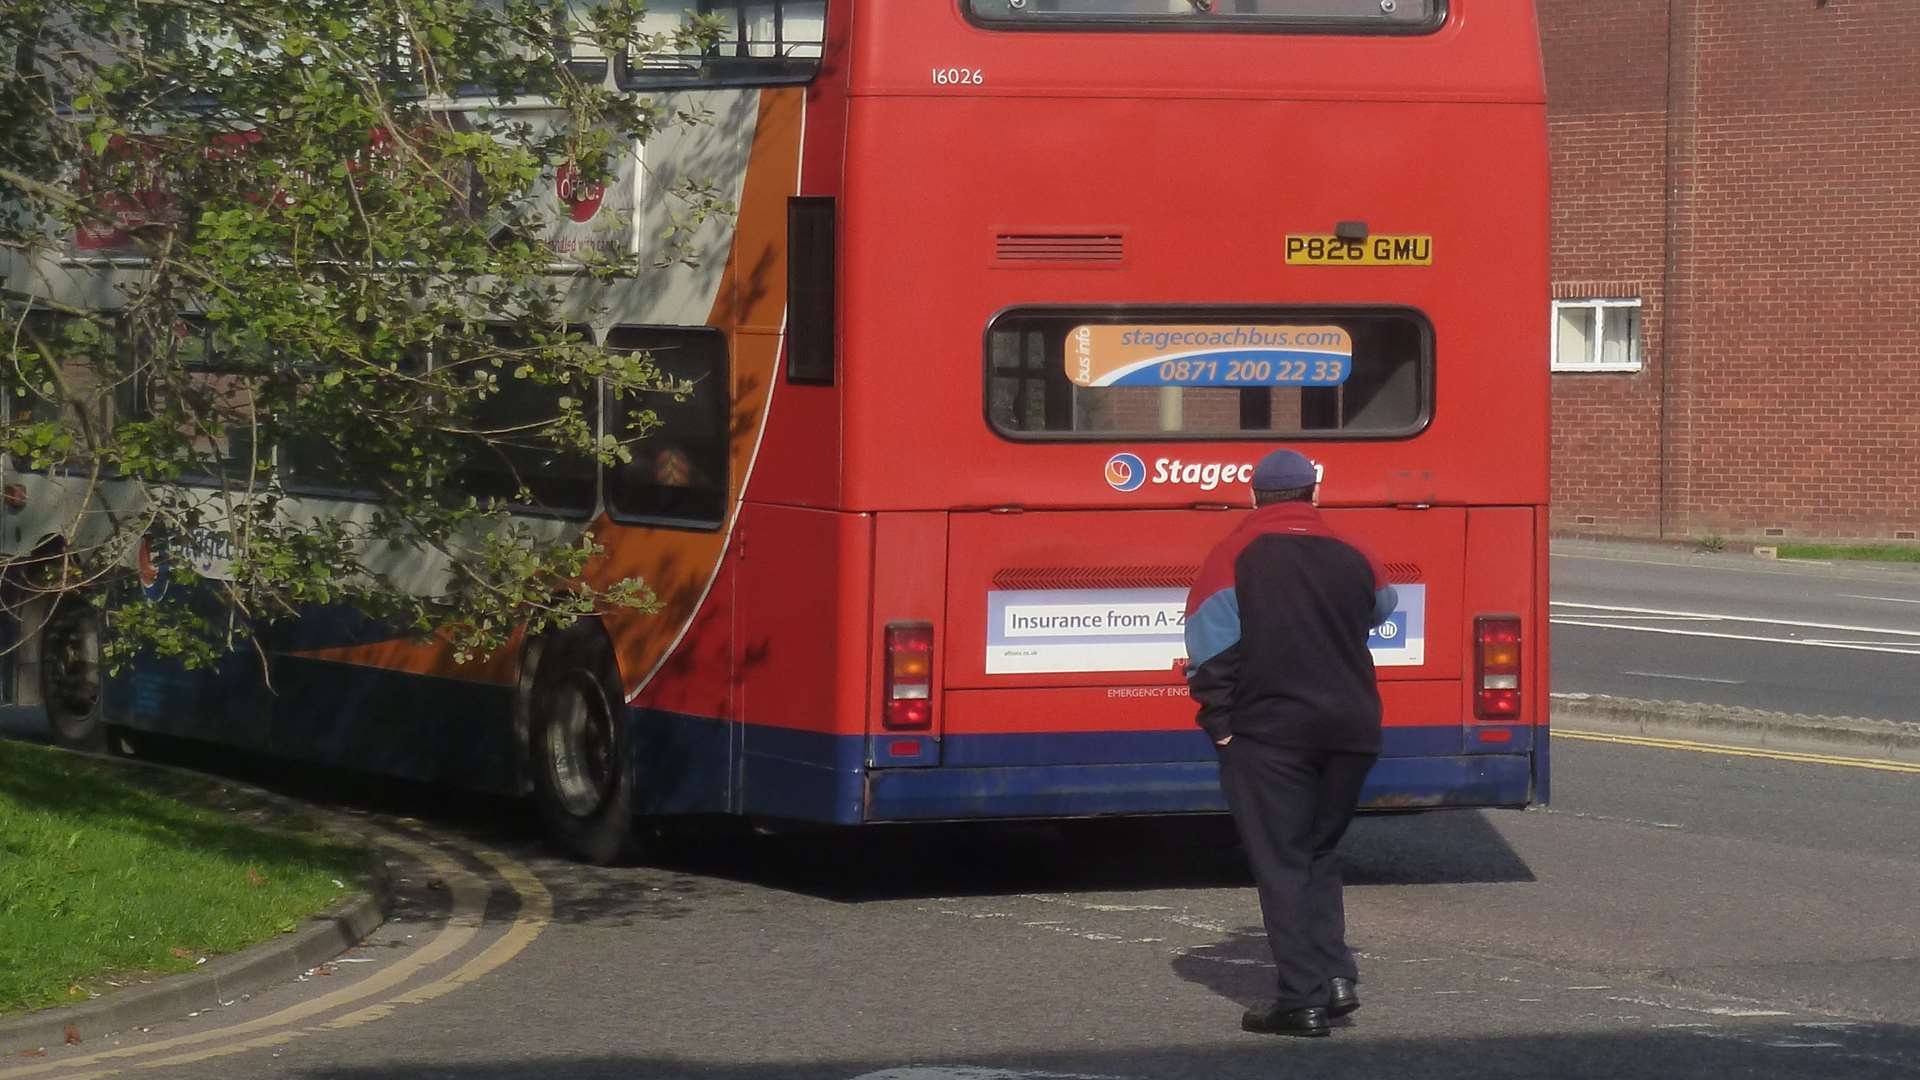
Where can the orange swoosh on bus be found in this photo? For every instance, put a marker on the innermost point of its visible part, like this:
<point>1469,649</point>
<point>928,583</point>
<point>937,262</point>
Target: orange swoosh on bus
<point>430,658</point>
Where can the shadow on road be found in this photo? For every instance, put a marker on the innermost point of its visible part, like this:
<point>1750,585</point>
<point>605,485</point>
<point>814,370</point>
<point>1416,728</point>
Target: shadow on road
<point>1239,969</point>
<point>726,861</point>
<point>1770,1050</point>
<point>1443,847</point>
<point>698,861</point>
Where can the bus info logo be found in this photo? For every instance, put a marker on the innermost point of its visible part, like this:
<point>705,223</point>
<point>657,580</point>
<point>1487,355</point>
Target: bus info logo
<point>1208,355</point>
<point>1126,472</point>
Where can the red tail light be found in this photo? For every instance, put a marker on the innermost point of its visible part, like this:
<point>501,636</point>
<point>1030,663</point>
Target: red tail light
<point>1496,667</point>
<point>909,683</point>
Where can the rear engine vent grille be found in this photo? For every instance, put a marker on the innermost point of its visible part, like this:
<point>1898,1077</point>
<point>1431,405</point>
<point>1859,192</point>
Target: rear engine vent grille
<point>1097,577</point>
<point>1402,573</point>
<point>1056,248</point>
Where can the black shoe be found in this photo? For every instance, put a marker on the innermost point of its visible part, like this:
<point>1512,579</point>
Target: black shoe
<point>1273,1020</point>
<point>1341,997</point>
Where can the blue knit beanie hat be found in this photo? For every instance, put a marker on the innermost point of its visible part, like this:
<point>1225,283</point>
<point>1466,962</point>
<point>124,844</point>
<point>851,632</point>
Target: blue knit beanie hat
<point>1283,470</point>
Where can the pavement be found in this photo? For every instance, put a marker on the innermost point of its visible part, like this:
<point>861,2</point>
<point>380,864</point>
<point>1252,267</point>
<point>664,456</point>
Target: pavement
<point>1889,740</point>
<point>329,936</point>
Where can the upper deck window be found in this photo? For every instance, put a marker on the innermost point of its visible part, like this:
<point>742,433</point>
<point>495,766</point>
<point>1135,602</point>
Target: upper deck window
<point>758,42</point>
<point>1325,16</point>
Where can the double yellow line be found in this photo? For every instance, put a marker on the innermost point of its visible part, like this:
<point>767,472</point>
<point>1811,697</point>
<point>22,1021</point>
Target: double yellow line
<point>469,897</point>
<point>1876,764</point>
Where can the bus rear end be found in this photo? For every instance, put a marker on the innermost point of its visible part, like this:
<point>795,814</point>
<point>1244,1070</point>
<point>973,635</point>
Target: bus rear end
<point>1098,259</point>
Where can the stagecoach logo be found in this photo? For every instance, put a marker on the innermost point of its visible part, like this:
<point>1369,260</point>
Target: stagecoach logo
<point>581,198</point>
<point>598,214</point>
<point>1126,472</point>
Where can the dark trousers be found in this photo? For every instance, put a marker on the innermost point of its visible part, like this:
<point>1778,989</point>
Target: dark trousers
<point>1292,807</point>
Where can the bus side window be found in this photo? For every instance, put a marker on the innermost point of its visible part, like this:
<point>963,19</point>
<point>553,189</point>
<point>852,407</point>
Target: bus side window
<point>209,390</point>
<point>335,467</point>
<point>101,395</point>
<point>677,435</point>
<point>517,454</point>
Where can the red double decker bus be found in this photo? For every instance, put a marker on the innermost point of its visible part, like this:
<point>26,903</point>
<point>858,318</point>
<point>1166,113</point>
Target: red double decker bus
<point>1017,293</point>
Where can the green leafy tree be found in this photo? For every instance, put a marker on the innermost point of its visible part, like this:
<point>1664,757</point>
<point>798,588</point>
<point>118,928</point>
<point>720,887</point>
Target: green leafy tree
<point>318,251</point>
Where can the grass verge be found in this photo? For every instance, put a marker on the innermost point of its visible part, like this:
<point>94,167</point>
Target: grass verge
<point>1862,552</point>
<point>109,872</point>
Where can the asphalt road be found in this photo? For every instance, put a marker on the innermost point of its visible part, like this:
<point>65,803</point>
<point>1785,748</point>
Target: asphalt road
<point>1674,914</point>
<point>1644,622</point>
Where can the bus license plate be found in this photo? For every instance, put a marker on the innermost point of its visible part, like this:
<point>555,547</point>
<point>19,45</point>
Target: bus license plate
<point>1373,251</point>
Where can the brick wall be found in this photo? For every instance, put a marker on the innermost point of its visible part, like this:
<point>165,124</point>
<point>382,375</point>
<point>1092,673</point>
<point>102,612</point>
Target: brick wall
<point>1766,171</point>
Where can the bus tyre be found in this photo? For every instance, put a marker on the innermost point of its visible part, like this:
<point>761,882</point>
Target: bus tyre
<point>70,674</point>
<point>577,746</point>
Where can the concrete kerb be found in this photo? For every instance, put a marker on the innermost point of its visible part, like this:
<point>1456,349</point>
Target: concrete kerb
<point>219,982</point>
<point>1851,736</point>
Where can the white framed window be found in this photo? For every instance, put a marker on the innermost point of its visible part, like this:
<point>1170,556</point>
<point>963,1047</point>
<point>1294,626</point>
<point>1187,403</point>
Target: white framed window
<point>1596,335</point>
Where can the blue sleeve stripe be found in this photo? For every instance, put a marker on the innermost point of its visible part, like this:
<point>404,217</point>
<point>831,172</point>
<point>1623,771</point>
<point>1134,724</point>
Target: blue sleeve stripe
<point>1213,628</point>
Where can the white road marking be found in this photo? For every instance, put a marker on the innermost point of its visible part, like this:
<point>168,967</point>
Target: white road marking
<point>1659,618</point>
<point>1706,1010</point>
<point>1776,568</point>
<point>1913,650</point>
<point>1236,961</point>
<point>1084,905</point>
<point>966,1072</point>
<point>1615,820</point>
<point>1882,599</point>
<point>1598,610</point>
<point>1685,678</point>
<point>1208,927</point>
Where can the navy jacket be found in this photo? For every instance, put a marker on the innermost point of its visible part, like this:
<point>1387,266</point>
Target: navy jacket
<point>1277,627</point>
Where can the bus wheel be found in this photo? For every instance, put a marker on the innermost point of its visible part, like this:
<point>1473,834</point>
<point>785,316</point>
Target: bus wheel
<point>577,746</point>
<point>70,667</point>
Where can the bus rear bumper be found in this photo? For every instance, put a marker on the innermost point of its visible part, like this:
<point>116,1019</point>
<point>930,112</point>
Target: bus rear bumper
<point>946,794</point>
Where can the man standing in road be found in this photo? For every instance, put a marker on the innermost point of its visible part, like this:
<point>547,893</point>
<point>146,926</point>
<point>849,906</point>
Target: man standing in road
<point>1277,660</point>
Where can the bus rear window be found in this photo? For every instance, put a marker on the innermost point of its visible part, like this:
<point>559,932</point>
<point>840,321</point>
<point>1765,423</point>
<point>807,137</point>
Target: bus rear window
<point>1299,373</point>
<point>1344,16</point>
